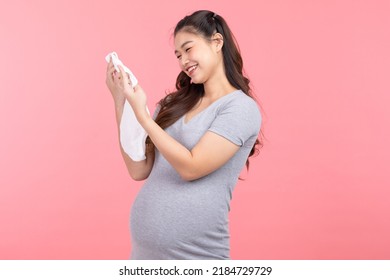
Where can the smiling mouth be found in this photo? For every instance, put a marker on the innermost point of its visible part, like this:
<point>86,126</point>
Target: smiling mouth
<point>191,69</point>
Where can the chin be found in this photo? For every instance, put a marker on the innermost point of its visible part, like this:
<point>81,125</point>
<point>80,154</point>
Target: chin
<point>196,81</point>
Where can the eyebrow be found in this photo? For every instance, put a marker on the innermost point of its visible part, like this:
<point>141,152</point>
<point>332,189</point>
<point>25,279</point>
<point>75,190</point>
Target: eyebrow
<point>182,45</point>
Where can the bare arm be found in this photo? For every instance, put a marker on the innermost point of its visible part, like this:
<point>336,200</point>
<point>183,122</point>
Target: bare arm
<point>138,170</point>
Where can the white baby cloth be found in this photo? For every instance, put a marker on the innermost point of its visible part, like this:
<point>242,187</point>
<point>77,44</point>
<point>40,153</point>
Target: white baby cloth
<point>132,134</point>
<point>116,61</point>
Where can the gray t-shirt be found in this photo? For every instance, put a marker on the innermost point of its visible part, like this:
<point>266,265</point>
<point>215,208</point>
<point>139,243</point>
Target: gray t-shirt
<point>176,219</point>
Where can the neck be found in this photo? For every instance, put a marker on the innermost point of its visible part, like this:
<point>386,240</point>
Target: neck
<point>217,86</point>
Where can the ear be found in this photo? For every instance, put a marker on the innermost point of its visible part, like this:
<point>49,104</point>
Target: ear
<point>218,41</point>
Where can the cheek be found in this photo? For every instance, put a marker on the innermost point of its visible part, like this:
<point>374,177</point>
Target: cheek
<point>207,60</point>
<point>206,56</point>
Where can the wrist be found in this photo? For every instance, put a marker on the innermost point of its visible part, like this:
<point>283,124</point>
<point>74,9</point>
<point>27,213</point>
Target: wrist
<point>143,117</point>
<point>119,102</point>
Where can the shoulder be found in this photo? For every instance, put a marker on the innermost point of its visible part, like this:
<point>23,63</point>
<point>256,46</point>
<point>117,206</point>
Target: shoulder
<point>237,118</point>
<point>241,105</point>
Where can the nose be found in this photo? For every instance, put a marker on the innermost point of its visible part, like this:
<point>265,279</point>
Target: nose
<point>184,61</point>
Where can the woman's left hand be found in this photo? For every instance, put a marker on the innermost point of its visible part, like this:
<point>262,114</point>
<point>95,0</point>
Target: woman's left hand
<point>135,96</point>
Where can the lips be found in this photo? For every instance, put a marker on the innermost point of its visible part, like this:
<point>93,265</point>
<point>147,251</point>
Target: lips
<point>191,69</point>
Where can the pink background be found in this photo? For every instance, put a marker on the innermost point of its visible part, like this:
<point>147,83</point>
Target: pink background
<point>318,190</point>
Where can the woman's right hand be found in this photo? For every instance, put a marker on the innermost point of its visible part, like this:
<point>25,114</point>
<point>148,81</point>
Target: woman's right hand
<point>117,93</point>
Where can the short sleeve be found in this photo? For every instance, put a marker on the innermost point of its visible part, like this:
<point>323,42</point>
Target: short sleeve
<point>239,121</point>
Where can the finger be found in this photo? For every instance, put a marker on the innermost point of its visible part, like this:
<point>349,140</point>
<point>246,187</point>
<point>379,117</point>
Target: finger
<point>110,72</point>
<point>121,71</point>
<point>137,87</point>
<point>110,77</point>
<point>124,75</point>
<point>110,69</point>
<point>129,80</point>
<point>108,64</point>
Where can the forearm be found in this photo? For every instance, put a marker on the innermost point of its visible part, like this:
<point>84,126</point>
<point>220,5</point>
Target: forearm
<point>119,105</point>
<point>175,153</point>
<point>138,170</point>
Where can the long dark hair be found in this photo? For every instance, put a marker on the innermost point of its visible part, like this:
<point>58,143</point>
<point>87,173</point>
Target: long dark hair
<point>187,95</point>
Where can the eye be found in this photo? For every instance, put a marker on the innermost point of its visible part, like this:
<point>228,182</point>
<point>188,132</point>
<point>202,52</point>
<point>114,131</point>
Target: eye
<point>187,49</point>
<point>178,57</point>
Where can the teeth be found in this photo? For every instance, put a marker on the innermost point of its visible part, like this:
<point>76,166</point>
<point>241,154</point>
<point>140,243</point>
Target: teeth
<point>191,68</point>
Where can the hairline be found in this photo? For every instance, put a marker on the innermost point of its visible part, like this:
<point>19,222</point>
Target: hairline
<point>191,29</point>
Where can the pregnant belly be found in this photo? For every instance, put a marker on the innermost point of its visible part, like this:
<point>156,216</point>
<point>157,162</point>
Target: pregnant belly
<point>170,216</point>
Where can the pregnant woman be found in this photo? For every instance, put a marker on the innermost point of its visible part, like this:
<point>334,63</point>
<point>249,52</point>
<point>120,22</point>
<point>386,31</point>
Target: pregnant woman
<point>199,140</point>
